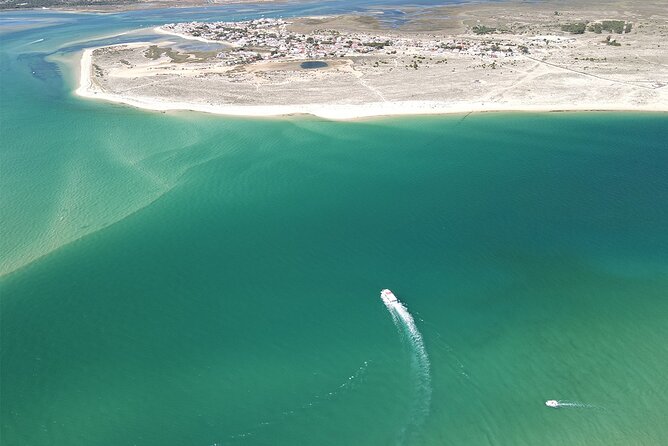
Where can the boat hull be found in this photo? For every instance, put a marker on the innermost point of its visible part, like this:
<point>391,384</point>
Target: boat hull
<point>388,297</point>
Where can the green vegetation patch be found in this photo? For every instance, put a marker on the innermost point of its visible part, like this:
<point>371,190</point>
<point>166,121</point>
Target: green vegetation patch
<point>482,29</point>
<point>575,28</point>
<point>613,26</point>
<point>154,52</point>
<point>596,28</point>
<point>612,42</point>
<point>176,56</point>
<point>379,45</point>
<point>99,72</point>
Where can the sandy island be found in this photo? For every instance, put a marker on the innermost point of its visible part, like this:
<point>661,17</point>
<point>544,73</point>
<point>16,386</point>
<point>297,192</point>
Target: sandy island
<point>502,57</point>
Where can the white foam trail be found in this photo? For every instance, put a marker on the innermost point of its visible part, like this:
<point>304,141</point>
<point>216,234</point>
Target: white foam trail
<point>420,360</point>
<point>448,349</point>
<point>576,404</point>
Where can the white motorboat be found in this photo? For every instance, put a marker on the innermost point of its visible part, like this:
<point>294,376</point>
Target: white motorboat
<point>388,296</point>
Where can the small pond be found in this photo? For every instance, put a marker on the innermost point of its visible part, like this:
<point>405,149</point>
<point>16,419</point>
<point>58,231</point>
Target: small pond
<point>313,64</point>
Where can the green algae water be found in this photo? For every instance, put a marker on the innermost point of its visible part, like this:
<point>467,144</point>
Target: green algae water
<point>185,279</point>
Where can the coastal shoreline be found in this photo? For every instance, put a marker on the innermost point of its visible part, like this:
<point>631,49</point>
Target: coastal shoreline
<point>161,30</point>
<point>148,5</point>
<point>510,58</point>
<point>335,112</point>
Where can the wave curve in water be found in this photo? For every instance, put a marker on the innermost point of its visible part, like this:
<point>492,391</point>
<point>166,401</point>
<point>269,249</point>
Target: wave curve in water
<point>405,323</point>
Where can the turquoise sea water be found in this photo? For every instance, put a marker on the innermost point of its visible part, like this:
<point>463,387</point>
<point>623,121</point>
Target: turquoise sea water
<point>185,279</point>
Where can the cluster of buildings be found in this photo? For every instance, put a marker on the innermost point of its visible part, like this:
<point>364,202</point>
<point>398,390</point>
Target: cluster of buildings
<point>266,39</point>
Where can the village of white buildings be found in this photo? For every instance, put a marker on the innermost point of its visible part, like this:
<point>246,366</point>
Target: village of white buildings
<point>270,39</point>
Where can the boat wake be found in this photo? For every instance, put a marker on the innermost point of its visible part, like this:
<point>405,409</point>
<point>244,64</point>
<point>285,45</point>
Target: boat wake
<point>569,404</point>
<point>419,361</point>
<point>348,384</point>
<point>449,351</point>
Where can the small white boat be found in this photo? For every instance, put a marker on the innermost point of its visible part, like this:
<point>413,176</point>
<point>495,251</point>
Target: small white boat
<point>552,403</point>
<point>388,296</point>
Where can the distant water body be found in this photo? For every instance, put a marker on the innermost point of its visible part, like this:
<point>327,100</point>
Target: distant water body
<point>313,64</point>
<point>186,279</point>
